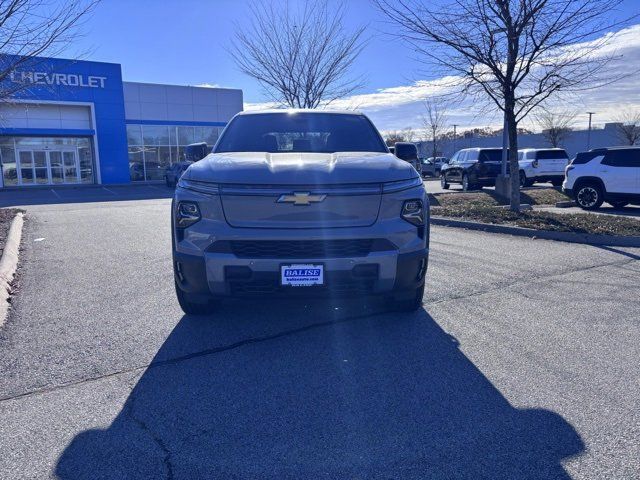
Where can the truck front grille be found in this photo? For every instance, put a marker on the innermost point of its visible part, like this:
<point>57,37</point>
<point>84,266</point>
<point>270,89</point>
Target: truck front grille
<point>301,248</point>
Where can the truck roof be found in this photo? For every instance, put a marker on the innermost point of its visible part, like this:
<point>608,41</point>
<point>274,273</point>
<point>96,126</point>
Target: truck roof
<point>299,110</point>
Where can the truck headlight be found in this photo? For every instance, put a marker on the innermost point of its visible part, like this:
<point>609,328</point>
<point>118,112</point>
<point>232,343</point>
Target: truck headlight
<point>200,187</point>
<point>187,213</point>
<point>413,212</point>
<point>398,186</point>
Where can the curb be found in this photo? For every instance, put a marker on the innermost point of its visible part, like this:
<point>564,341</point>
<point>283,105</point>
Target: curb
<point>566,204</point>
<point>585,238</point>
<point>9,263</point>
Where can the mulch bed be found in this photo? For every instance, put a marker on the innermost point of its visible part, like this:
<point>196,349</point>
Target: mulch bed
<point>488,198</point>
<point>540,220</point>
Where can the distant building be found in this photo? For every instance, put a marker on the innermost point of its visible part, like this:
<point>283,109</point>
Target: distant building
<point>575,142</point>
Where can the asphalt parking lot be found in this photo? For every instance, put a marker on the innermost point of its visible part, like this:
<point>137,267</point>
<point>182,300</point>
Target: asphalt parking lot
<point>523,363</point>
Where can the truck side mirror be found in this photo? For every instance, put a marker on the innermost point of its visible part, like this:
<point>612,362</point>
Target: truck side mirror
<point>406,151</point>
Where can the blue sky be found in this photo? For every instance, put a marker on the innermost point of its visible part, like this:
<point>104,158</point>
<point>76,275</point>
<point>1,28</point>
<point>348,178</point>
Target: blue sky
<point>184,42</point>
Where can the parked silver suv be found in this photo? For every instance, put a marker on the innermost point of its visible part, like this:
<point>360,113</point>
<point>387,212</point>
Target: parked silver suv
<point>300,202</point>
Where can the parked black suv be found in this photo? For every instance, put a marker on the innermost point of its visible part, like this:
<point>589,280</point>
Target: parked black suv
<point>473,168</point>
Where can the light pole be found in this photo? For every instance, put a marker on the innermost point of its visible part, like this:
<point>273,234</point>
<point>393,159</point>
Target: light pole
<point>455,125</point>
<point>589,131</point>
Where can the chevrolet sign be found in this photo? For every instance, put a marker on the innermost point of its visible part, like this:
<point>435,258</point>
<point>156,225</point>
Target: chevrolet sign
<point>65,79</point>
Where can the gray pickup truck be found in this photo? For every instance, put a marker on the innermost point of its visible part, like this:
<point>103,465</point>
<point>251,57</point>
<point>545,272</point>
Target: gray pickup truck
<point>299,202</point>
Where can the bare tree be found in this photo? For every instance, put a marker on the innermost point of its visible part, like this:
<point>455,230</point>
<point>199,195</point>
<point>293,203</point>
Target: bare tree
<point>30,29</point>
<point>300,55</point>
<point>628,127</point>
<point>434,121</point>
<point>515,53</point>
<point>408,134</point>
<point>555,127</point>
<point>391,137</point>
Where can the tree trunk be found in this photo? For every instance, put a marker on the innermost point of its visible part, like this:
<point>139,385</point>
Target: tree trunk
<point>514,167</point>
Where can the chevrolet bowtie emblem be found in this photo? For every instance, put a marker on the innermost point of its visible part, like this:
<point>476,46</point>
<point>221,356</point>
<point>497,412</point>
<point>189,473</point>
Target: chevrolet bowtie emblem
<point>301,198</point>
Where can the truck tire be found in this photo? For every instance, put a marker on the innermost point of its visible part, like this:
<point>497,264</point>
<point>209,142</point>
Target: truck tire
<point>589,196</point>
<point>190,307</point>
<point>466,185</point>
<point>524,181</point>
<point>411,304</point>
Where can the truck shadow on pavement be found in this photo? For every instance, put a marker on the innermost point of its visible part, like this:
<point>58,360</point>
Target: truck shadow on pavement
<point>376,396</point>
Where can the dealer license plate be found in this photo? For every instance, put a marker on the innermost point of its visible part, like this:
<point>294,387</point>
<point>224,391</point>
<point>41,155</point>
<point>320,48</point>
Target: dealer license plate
<point>303,275</point>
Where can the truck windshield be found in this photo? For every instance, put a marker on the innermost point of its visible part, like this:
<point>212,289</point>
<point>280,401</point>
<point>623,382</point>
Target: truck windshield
<point>300,132</point>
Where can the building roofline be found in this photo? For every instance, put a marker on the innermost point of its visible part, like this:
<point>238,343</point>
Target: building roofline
<point>177,85</point>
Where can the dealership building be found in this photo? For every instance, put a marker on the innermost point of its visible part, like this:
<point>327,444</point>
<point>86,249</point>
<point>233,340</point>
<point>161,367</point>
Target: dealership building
<point>72,122</point>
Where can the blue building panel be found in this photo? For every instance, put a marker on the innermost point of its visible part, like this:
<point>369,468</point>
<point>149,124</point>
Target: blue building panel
<point>50,85</point>
<point>97,83</point>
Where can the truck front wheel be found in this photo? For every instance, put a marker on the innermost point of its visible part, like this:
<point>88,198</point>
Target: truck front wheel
<point>409,302</point>
<point>191,307</point>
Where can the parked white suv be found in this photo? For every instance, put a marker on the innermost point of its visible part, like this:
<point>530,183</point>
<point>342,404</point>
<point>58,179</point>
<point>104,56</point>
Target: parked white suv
<point>542,165</point>
<point>609,175</point>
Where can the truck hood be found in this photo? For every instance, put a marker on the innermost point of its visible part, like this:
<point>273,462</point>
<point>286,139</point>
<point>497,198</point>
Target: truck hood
<point>300,168</point>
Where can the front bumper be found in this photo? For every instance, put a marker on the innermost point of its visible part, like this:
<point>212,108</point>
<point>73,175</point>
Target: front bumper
<point>209,261</point>
<point>228,276</point>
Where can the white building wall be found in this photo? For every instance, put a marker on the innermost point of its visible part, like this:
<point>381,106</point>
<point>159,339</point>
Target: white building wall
<point>575,142</point>
<point>145,101</point>
<point>45,115</point>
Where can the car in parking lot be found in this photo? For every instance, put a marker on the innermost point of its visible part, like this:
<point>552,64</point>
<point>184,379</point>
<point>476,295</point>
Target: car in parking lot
<point>408,152</point>
<point>542,165</point>
<point>192,153</point>
<point>431,166</point>
<point>473,168</point>
<point>136,171</point>
<point>300,202</point>
<point>174,171</point>
<point>609,175</point>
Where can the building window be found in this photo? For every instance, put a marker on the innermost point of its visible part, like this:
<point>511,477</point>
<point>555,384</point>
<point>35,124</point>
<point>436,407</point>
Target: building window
<point>46,160</point>
<point>152,148</point>
<point>134,134</point>
<point>136,164</point>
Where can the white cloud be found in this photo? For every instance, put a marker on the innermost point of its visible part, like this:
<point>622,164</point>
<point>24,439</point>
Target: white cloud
<point>260,106</point>
<point>208,85</point>
<point>402,106</point>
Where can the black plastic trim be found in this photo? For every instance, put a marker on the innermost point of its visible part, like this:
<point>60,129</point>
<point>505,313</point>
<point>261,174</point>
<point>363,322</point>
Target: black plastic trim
<point>408,274</point>
<point>190,273</point>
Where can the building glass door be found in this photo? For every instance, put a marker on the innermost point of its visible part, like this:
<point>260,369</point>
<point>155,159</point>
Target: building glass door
<point>47,167</point>
<point>25,168</point>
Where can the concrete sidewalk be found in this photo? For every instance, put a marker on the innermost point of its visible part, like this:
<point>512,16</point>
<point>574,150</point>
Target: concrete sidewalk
<point>629,211</point>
